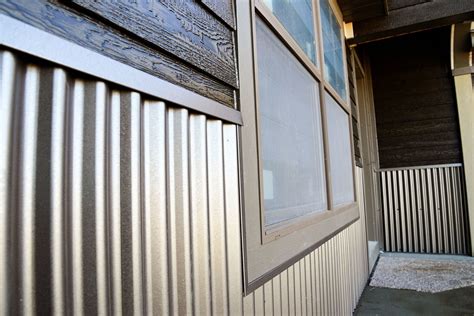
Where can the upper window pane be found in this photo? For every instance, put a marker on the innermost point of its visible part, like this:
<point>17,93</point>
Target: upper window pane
<point>291,134</point>
<point>333,54</point>
<point>297,18</point>
<point>340,153</point>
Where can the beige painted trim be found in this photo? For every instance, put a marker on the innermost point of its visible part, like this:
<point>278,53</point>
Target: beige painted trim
<point>263,258</point>
<point>465,101</point>
<point>461,57</point>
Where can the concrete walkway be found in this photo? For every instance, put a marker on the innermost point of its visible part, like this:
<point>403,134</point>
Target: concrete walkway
<point>383,301</point>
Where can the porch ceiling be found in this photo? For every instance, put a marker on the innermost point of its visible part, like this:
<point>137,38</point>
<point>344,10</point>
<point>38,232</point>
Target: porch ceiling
<point>358,10</point>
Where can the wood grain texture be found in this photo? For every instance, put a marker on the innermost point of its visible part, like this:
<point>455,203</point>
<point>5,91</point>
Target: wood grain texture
<point>399,4</point>
<point>415,105</point>
<point>223,9</point>
<point>184,29</point>
<point>74,26</point>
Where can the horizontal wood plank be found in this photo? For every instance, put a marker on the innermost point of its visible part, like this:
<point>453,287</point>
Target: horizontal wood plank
<point>70,24</point>
<point>184,29</point>
<point>422,16</point>
<point>224,9</point>
<point>415,105</point>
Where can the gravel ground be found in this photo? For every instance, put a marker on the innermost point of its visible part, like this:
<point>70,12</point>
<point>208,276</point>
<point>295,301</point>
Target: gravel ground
<point>424,273</point>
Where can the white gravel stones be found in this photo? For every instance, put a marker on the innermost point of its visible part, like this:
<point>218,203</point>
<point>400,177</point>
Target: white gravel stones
<point>424,273</point>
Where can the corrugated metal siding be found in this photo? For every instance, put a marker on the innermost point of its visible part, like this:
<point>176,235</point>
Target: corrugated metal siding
<point>328,281</point>
<point>425,210</point>
<point>113,202</point>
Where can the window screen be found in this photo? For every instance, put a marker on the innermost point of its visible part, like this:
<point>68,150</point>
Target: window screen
<point>297,18</point>
<point>340,153</point>
<point>290,133</point>
<point>333,55</point>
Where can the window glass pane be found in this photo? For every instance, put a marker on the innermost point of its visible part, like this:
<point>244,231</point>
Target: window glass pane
<point>340,153</point>
<point>290,131</point>
<point>297,18</point>
<point>333,56</point>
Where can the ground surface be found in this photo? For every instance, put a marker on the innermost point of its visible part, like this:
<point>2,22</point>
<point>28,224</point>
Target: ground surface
<point>398,276</point>
<point>383,301</point>
<point>422,272</point>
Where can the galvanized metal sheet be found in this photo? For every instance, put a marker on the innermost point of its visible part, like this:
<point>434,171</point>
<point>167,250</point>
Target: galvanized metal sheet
<point>424,209</point>
<point>114,202</point>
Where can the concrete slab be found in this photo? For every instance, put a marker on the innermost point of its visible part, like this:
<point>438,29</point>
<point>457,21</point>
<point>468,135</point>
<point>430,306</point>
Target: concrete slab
<point>384,301</point>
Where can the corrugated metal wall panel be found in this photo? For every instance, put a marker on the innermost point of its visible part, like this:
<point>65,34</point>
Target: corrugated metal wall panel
<point>424,210</point>
<point>114,202</point>
<point>328,281</point>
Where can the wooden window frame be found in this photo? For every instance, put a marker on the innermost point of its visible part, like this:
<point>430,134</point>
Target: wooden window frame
<point>284,243</point>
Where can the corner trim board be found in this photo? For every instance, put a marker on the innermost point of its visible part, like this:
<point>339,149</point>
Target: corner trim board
<point>463,71</point>
<point>68,54</point>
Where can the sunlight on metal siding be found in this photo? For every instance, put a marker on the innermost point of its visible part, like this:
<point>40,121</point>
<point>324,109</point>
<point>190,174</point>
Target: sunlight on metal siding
<point>114,202</point>
<point>328,281</point>
<point>425,210</point>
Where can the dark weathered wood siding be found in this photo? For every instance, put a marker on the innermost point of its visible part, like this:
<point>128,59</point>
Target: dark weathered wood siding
<point>414,98</point>
<point>354,107</point>
<point>408,16</point>
<point>189,43</point>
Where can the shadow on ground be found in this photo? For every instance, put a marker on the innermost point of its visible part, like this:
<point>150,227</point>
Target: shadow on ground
<point>384,301</point>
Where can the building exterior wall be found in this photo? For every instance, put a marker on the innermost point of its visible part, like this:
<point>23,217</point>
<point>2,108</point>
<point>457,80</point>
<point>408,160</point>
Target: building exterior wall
<point>425,210</point>
<point>415,101</point>
<point>116,202</point>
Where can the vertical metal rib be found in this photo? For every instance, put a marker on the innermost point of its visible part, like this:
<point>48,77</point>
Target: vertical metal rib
<point>443,210</point>
<point>130,216</point>
<point>437,209</point>
<point>8,69</point>
<point>449,209</point>
<point>402,210</point>
<point>391,212</point>
<point>199,214</point>
<point>26,211</point>
<point>217,217</point>
<point>114,211</point>
<point>179,225</point>
<point>385,211</point>
<point>232,207</point>
<point>408,217</point>
<point>100,176</point>
<point>75,198</point>
<point>155,207</point>
<point>58,155</point>
<point>413,211</point>
<point>456,210</point>
<point>284,293</point>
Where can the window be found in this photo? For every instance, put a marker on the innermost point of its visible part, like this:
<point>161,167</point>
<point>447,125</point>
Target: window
<point>333,52</point>
<point>340,153</point>
<point>297,18</point>
<point>291,133</point>
<point>296,145</point>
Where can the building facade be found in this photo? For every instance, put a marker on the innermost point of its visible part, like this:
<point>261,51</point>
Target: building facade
<point>227,157</point>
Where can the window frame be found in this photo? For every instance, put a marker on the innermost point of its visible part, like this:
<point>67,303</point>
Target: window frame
<point>319,226</point>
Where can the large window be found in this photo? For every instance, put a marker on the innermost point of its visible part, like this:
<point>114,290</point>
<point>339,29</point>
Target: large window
<point>291,134</point>
<point>296,146</point>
